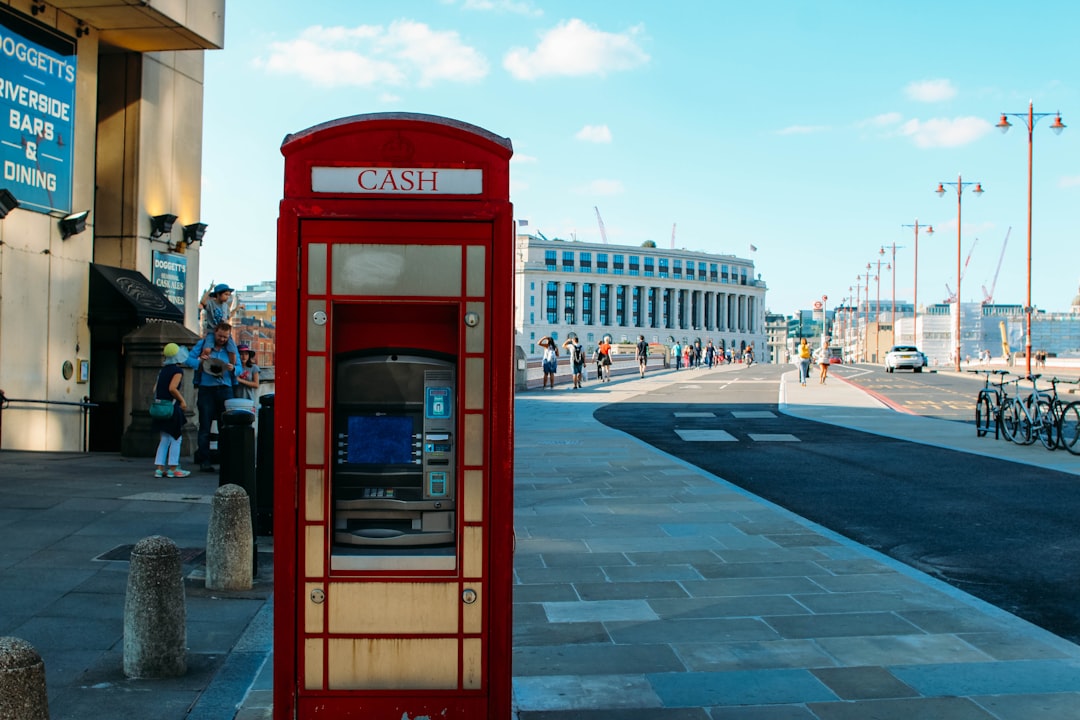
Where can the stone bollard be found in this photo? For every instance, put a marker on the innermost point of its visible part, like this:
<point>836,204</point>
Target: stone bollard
<point>22,682</point>
<point>229,540</point>
<point>155,630</point>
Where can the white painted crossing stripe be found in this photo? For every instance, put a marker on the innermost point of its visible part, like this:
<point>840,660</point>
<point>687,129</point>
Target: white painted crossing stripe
<point>773,437</point>
<point>705,435</point>
<point>694,414</point>
<point>751,414</point>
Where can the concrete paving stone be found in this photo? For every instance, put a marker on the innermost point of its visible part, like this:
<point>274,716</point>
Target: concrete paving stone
<point>689,557</point>
<point>862,602</point>
<point>692,630</point>
<point>761,570</point>
<point>535,545</point>
<point>555,592</point>
<point>945,708</point>
<point>49,636</point>
<point>615,714</point>
<point>759,655</point>
<point>659,543</point>
<point>62,559</point>
<point>79,705</point>
<point>955,620</point>
<point>1013,646</point>
<point>863,683</point>
<point>745,542</point>
<point>737,687</point>
<point>605,559</point>
<point>870,582</point>
<point>841,625</point>
<point>726,607</point>
<point>1056,706</point>
<point>771,553</point>
<point>591,532</point>
<point>854,566</point>
<point>656,573</point>
<point>749,587</point>
<point>768,712</point>
<point>992,678</point>
<point>768,522</point>
<point>10,556</point>
<point>900,649</point>
<point>599,611</point>
<point>547,576</point>
<point>101,606</point>
<point>584,692</point>
<point>716,529</point>
<point>629,590</point>
<point>595,659</point>
<point>545,633</point>
<point>790,540</point>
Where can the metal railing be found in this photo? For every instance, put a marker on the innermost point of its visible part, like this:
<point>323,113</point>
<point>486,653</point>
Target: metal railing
<point>84,405</point>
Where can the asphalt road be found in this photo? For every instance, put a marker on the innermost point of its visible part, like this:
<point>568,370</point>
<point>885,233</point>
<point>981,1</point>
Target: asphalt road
<point>1001,531</point>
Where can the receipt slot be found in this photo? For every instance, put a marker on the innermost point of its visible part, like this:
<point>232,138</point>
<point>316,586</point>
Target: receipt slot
<point>393,456</point>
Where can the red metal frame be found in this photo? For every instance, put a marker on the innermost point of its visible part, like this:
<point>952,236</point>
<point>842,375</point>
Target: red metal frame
<point>415,141</point>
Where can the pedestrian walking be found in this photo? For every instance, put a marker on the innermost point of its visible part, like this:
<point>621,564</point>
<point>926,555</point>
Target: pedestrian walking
<point>823,358</point>
<point>550,361</point>
<point>642,354</point>
<point>577,360</point>
<point>804,361</point>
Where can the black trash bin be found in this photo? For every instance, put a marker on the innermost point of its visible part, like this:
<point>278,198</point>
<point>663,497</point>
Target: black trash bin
<point>264,467</point>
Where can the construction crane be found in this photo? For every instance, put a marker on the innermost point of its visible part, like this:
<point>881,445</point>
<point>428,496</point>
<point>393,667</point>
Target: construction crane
<point>672,236</point>
<point>952,296</point>
<point>600,222</point>
<point>988,297</point>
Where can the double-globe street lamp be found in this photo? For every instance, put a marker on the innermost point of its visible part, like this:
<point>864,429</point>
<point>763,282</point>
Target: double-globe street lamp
<point>959,185</point>
<point>915,302</point>
<point>1030,118</point>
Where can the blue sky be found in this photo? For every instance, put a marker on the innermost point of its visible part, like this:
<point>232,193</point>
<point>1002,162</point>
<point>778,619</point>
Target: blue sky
<point>811,130</point>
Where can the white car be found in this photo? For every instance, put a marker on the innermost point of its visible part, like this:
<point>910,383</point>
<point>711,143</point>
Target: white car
<point>904,356</point>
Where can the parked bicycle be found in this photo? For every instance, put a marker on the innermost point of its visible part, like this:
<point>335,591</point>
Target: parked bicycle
<point>1068,422</point>
<point>1032,418</point>
<point>989,402</point>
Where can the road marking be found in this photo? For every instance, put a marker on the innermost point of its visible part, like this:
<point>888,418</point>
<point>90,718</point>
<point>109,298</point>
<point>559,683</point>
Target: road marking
<point>773,437</point>
<point>705,435</point>
<point>694,414</point>
<point>753,414</point>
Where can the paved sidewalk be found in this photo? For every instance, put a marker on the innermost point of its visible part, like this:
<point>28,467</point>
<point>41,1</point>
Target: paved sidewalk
<point>645,589</point>
<point>648,588</point>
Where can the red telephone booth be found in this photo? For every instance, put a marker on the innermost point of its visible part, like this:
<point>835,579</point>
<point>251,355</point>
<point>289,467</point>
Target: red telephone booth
<point>393,532</point>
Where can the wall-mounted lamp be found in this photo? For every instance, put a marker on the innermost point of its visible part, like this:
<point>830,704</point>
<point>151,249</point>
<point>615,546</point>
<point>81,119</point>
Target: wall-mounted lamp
<point>194,233</point>
<point>161,225</point>
<point>81,29</point>
<point>73,224</point>
<point>36,8</point>
<point>7,203</point>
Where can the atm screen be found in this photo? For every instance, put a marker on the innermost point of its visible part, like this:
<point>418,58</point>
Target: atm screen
<point>380,440</point>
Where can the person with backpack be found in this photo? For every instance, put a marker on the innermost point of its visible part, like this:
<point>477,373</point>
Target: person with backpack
<point>642,354</point>
<point>577,360</point>
<point>550,361</point>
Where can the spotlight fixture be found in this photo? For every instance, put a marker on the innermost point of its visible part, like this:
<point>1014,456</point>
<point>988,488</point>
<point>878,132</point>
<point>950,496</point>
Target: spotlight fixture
<point>73,224</point>
<point>194,233</point>
<point>36,8</point>
<point>7,202</point>
<point>81,29</point>
<point>161,224</point>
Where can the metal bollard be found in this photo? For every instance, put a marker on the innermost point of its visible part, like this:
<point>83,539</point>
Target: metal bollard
<point>22,681</point>
<point>155,616</point>
<point>228,541</point>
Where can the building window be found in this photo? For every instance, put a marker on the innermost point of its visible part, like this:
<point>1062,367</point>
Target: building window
<point>568,261</point>
<point>742,276</point>
<point>551,305</point>
<point>713,276</point>
<point>724,277</point>
<point>620,305</point>
<point>664,267</point>
<point>635,265</point>
<point>649,267</point>
<point>605,305</point>
<point>549,259</point>
<point>587,303</point>
<point>601,263</point>
<point>676,270</point>
<point>585,262</point>
<point>569,303</point>
<point>617,265</point>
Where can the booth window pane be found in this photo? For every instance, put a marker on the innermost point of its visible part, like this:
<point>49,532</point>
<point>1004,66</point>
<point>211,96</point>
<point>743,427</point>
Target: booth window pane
<point>317,269</point>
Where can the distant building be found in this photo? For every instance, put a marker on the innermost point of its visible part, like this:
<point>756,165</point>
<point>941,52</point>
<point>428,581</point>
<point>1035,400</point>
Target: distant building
<point>594,290</point>
<point>255,321</point>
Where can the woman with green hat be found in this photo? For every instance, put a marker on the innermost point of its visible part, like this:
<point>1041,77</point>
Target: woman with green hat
<point>171,428</point>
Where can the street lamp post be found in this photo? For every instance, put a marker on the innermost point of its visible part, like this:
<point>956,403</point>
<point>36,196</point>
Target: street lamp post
<point>959,185</point>
<point>866,317</point>
<point>1030,118</point>
<point>858,299</point>
<point>915,301</point>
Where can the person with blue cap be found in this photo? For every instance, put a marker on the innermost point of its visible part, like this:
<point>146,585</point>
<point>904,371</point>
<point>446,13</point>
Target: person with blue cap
<point>218,304</point>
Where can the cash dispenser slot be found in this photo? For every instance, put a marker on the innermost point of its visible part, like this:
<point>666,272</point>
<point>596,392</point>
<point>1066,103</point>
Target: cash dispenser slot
<point>394,486</point>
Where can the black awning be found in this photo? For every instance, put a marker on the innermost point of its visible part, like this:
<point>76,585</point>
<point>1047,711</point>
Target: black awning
<point>126,297</point>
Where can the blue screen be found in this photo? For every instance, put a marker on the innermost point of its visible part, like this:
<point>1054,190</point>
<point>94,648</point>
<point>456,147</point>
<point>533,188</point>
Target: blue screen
<point>380,440</point>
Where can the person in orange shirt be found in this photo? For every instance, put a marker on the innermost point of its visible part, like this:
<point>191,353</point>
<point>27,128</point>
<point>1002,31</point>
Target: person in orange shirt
<point>603,359</point>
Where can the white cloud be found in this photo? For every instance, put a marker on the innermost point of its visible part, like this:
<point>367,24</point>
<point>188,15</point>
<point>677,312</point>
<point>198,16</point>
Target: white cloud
<point>1068,181</point>
<point>404,53</point>
<point>594,133</point>
<point>522,159</point>
<point>574,48</point>
<point>522,8</point>
<point>601,187</point>
<point>802,129</point>
<point>930,90</point>
<point>945,132</point>
<point>882,120</point>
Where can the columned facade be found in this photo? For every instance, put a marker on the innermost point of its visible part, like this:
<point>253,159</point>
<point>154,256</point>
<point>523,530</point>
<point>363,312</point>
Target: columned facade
<point>591,290</point>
